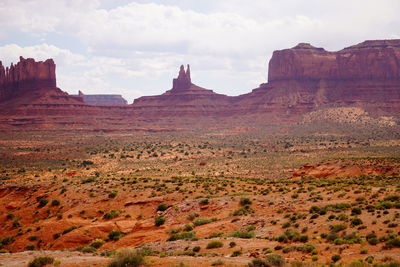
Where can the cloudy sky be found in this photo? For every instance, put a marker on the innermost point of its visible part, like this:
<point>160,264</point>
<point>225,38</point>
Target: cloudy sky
<point>135,48</point>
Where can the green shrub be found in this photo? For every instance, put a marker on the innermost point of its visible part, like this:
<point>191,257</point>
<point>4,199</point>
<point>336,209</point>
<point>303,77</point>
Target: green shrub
<point>392,243</point>
<point>159,221</point>
<point>243,211</point>
<point>242,234</point>
<point>245,201</point>
<point>43,202</point>
<point>127,258</point>
<point>356,211</point>
<point>192,216</point>
<point>202,221</point>
<point>41,261</point>
<point>215,244</point>
<point>32,238</point>
<point>236,253</point>
<point>272,259</point>
<point>335,258</point>
<point>55,202</point>
<point>337,227</point>
<point>217,263</point>
<point>314,257</point>
<point>4,241</point>
<point>113,194</point>
<point>114,235</point>
<point>88,249</point>
<point>372,239</point>
<point>356,221</point>
<point>182,236</point>
<point>196,249</point>
<point>204,201</point>
<point>30,247</point>
<point>112,214</point>
<point>97,243</point>
<point>69,229</point>
<point>162,207</point>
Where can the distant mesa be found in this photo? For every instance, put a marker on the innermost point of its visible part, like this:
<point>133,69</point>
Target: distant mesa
<point>102,99</point>
<point>300,79</point>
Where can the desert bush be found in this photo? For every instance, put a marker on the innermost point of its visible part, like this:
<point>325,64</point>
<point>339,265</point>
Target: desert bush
<point>97,243</point>
<point>202,221</point>
<point>356,221</point>
<point>243,211</point>
<point>43,202</point>
<point>127,258</point>
<point>392,243</point>
<point>243,234</point>
<point>112,214</point>
<point>159,221</point>
<point>204,201</point>
<point>114,235</point>
<point>4,241</point>
<point>372,239</point>
<point>337,227</point>
<point>55,202</point>
<point>272,259</point>
<point>69,229</point>
<point>182,236</point>
<point>245,201</point>
<point>356,211</point>
<point>236,253</point>
<point>192,216</point>
<point>113,194</point>
<point>215,244</point>
<point>335,258</point>
<point>162,207</point>
<point>41,261</point>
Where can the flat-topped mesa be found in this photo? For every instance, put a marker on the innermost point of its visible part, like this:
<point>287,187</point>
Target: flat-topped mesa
<point>26,75</point>
<point>305,77</point>
<point>183,81</point>
<point>102,99</point>
<point>377,59</point>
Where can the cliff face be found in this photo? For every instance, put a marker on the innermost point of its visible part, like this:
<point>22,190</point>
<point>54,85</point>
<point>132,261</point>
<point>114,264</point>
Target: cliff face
<point>30,81</point>
<point>306,77</point>
<point>26,75</point>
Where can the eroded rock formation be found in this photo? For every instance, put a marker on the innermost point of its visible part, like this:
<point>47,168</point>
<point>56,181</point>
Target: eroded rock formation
<point>34,81</point>
<point>185,98</point>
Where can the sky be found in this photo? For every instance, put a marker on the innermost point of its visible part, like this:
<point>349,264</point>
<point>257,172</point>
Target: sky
<point>135,48</point>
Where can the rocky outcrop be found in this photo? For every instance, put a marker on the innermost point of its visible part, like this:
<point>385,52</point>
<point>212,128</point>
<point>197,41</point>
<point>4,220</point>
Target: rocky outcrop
<point>25,76</point>
<point>108,100</point>
<point>185,98</point>
<point>304,77</point>
<point>30,81</point>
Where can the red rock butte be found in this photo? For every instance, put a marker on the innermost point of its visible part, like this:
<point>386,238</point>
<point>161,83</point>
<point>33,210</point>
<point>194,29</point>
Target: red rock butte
<point>300,79</point>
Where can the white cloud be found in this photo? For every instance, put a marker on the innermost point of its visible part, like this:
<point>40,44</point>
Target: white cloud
<point>135,47</point>
<point>11,53</point>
